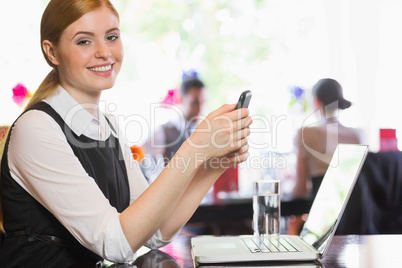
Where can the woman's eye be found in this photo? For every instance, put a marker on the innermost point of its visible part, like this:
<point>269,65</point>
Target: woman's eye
<point>83,42</point>
<point>112,37</point>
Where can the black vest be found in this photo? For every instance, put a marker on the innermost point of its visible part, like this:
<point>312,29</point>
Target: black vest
<point>34,237</point>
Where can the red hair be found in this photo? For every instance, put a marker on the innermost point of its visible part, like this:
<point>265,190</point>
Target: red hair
<point>58,15</point>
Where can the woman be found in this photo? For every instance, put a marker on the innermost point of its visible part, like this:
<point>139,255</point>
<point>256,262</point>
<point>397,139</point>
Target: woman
<point>70,191</point>
<point>315,145</point>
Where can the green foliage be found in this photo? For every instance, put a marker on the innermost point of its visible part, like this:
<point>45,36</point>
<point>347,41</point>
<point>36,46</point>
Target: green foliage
<point>225,56</point>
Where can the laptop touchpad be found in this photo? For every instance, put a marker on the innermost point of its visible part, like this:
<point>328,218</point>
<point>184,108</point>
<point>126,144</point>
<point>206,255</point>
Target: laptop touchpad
<point>226,245</point>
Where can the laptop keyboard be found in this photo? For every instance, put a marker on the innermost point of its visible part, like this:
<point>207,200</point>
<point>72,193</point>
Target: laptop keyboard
<point>265,245</point>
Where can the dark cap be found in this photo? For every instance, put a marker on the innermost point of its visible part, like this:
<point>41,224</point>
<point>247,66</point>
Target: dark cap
<point>328,91</point>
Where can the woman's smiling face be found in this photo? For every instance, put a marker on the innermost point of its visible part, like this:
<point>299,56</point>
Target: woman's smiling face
<point>90,53</point>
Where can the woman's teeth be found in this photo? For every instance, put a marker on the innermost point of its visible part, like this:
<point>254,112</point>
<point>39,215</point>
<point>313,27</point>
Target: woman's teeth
<point>101,69</point>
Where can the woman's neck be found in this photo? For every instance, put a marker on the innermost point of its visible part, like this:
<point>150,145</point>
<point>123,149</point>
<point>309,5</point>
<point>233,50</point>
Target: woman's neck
<point>89,100</point>
<point>329,116</point>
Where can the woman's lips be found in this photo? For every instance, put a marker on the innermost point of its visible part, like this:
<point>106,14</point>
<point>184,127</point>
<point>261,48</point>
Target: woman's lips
<point>105,68</point>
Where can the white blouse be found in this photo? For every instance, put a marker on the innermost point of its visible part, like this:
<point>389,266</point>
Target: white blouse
<point>43,163</point>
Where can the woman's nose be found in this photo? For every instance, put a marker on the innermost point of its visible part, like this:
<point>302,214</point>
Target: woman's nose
<point>102,50</point>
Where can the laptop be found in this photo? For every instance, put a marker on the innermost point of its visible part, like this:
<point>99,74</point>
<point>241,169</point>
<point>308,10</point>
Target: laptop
<point>317,232</point>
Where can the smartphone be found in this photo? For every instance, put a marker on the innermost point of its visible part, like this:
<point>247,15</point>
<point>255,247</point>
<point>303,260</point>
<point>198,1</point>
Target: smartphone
<point>244,99</point>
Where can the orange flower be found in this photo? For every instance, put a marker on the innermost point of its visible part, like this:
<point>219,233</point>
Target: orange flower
<point>138,152</point>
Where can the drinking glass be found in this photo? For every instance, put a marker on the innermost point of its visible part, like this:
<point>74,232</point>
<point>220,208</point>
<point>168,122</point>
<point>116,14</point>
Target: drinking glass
<point>266,208</point>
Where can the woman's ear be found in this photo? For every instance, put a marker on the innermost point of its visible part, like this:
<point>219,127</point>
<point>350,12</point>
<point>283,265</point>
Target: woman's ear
<point>50,52</point>
<point>317,103</point>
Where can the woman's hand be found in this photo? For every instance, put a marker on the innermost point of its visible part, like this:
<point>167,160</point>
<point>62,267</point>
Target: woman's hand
<point>173,197</point>
<point>220,164</point>
<point>222,136</point>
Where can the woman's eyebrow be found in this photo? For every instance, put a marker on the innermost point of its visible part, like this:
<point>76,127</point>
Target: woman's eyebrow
<point>113,29</point>
<point>86,33</point>
<point>92,34</point>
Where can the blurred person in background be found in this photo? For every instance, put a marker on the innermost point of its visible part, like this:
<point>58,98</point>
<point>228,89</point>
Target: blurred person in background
<point>168,137</point>
<point>316,144</point>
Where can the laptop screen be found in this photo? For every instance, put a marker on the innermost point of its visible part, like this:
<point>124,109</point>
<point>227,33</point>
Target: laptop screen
<point>333,194</point>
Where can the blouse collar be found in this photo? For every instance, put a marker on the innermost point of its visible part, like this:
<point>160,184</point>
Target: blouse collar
<point>77,117</point>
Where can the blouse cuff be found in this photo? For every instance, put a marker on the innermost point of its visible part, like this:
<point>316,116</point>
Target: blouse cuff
<point>156,240</point>
<point>119,250</point>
